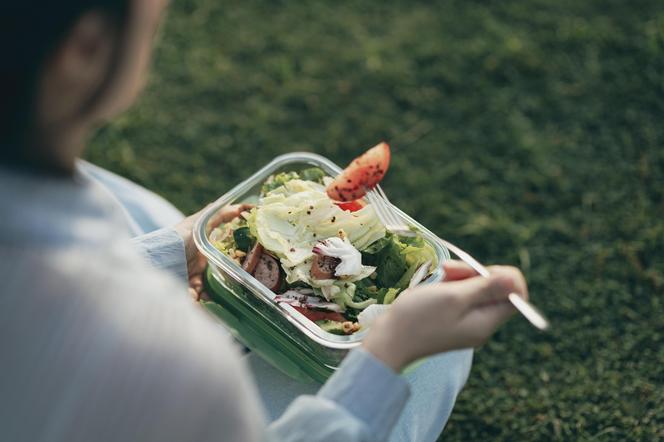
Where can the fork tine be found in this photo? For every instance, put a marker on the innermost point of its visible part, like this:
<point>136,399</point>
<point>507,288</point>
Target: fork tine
<point>394,218</point>
<point>387,214</point>
<point>380,203</point>
<point>381,211</point>
<point>378,208</point>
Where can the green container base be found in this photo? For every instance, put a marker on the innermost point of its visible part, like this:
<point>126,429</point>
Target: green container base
<point>261,337</point>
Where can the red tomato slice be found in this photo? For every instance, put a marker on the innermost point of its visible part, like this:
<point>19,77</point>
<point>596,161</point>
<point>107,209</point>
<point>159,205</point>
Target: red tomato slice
<point>318,315</point>
<point>361,175</point>
<point>351,206</point>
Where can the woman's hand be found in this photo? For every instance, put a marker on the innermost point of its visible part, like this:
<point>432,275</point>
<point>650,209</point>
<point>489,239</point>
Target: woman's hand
<point>196,262</point>
<point>461,312</point>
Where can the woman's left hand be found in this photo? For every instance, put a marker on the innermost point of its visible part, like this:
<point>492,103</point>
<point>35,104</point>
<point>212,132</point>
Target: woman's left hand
<point>196,262</point>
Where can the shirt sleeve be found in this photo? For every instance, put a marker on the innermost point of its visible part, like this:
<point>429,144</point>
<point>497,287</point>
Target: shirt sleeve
<point>362,401</point>
<point>164,250</point>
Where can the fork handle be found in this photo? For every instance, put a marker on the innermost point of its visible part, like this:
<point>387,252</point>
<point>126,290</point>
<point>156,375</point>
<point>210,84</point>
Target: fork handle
<point>524,307</point>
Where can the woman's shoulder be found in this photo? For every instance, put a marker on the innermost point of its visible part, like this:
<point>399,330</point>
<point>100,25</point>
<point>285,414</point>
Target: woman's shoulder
<point>93,323</point>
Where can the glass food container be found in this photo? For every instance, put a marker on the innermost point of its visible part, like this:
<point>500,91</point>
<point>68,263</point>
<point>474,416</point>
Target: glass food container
<point>277,332</point>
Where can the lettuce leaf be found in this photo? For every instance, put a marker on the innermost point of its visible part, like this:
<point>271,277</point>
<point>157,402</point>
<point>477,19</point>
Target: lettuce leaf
<point>334,327</point>
<point>391,295</point>
<point>273,182</point>
<point>314,174</point>
<point>290,219</point>
<point>398,258</point>
<point>278,180</point>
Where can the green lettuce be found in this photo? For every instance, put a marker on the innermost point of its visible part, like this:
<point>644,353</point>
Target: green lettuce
<point>397,258</point>
<point>391,295</point>
<point>292,218</point>
<point>314,174</point>
<point>273,182</point>
<point>278,180</point>
<point>334,327</point>
<point>243,238</point>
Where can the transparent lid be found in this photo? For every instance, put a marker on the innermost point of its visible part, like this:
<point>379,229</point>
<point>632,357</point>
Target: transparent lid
<point>247,192</point>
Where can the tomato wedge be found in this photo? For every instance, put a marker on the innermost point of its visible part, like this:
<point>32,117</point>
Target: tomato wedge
<point>318,315</point>
<point>351,206</point>
<point>361,175</point>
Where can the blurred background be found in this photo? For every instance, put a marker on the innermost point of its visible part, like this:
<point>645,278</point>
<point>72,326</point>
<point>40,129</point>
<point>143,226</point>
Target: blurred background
<point>529,133</point>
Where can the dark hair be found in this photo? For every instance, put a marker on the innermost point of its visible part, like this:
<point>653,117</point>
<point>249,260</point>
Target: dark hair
<point>30,31</point>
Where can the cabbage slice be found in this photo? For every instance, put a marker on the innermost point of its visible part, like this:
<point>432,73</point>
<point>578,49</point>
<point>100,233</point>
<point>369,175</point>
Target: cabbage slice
<point>292,218</point>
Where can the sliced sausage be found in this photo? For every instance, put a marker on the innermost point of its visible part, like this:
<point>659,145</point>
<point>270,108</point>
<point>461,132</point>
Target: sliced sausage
<point>252,258</point>
<point>267,272</point>
<point>323,267</point>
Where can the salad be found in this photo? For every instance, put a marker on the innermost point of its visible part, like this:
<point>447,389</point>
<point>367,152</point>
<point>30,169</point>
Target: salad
<point>313,241</point>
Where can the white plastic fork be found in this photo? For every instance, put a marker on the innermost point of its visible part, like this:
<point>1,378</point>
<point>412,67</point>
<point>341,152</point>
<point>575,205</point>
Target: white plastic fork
<point>395,224</point>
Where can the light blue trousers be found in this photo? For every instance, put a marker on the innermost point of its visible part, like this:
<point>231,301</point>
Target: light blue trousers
<point>435,384</point>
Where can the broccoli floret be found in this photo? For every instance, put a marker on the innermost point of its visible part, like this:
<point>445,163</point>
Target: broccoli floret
<point>315,174</point>
<point>278,180</point>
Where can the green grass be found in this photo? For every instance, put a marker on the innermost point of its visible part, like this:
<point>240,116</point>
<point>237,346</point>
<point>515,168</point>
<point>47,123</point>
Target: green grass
<point>530,133</point>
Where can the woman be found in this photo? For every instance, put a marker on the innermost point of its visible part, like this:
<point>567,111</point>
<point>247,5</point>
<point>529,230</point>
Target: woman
<point>99,345</point>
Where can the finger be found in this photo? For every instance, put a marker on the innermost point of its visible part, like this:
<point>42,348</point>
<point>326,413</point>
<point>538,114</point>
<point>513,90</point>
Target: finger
<point>520,285</point>
<point>196,282</point>
<point>222,215</point>
<point>244,207</point>
<point>478,291</point>
<point>456,270</point>
<point>228,213</point>
<point>194,294</point>
<point>482,321</point>
<point>196,265</point>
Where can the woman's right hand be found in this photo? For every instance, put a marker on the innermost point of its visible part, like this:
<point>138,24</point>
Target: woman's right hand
<point>459,313</point>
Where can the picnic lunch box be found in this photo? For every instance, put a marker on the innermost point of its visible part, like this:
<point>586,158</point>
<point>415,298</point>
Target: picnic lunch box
<point>277,332</point>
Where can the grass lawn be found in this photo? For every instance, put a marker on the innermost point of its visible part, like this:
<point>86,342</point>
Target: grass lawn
<point>530,133</point>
